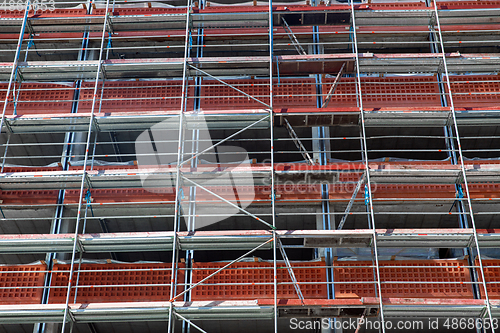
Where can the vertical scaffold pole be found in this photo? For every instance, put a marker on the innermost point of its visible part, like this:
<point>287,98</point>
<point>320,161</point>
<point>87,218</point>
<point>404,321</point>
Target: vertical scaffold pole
<point>180,145</point>
<point>273,193</point>
<point>84,172</point>
<point>367,168</point>
<point>462,168</point>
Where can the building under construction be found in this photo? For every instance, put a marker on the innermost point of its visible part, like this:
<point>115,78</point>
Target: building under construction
<point>173,166</point>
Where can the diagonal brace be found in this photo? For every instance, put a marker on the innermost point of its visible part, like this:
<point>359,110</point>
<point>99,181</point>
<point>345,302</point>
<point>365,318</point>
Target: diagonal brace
<point>230,86</point>
<point>298,143</point>
<point>333,87</point>
<point>224,140</point>
<point>351,202</point>
<point>220,269</point>
<point>229,202</point>
<point>190,323</point>
<point>290,271</point>
<point>292,37</point>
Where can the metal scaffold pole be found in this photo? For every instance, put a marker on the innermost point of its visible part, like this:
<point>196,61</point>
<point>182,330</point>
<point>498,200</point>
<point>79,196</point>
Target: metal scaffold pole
<point>273,190</point>
<point>462,169</point>
<point>180,156</point>
<point>84,170</point>
<point>367,167</point>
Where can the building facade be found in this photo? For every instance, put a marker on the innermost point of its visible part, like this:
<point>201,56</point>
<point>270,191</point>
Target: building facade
<point>242,167</point>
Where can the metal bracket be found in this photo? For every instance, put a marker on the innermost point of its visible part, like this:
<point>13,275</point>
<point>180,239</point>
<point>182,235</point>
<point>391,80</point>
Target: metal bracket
<point>470,242</point>
<point>178,242</point>
<point>103,71</point>
<point>432,20</point>
<point>30,28</point>
<point>7,125</point>
<point>460,178</point>
<point>109,23</point>
<point>87,179</point>
<point>449,121</point>
<point>440,68</point>
<point>483,312</point>
<point>96,124</point>
<point>79,245</point>
<point>71,316</point>
<point>19,75</point>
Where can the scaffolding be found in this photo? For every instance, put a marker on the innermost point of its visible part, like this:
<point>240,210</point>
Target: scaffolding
<point>211,167</point>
